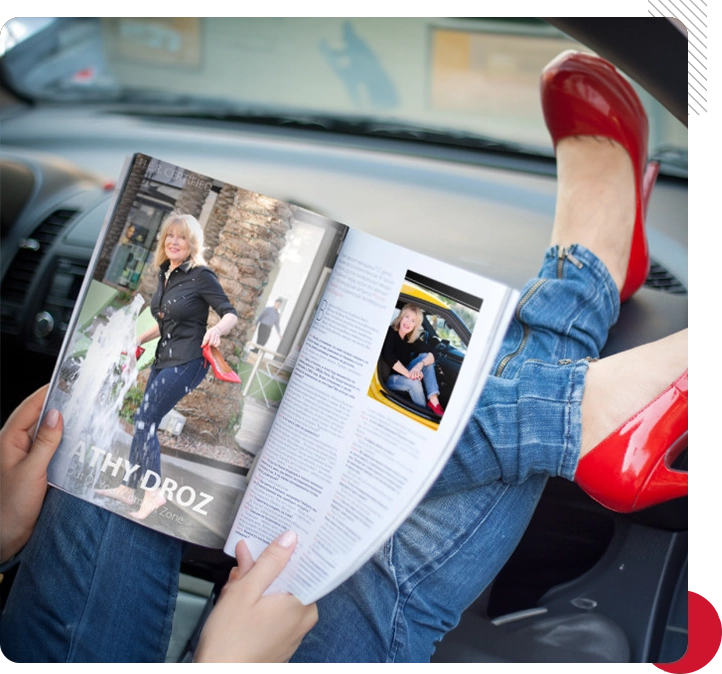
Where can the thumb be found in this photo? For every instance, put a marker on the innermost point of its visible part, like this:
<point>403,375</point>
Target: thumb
<point>46,441</point>
<point>270,563</point>
<point>244,559</point>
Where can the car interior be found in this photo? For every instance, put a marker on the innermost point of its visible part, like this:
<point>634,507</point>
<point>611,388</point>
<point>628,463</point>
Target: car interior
<point>447,358</point>
<point>425,132</point>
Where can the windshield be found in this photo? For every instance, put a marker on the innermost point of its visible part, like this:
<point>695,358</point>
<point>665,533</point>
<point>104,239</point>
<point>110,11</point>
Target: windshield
<point>453,77</point>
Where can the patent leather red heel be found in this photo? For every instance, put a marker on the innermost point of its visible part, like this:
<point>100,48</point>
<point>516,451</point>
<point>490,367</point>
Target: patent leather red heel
<point>631,468</point>
<point>583,95</point>
<point>221,369</point>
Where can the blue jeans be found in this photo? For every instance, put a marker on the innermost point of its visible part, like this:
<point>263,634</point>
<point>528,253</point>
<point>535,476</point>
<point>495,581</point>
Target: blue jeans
<point>526,427</point>
<point>416,387</point>
<point>163,390</point>
<point>91,587</point>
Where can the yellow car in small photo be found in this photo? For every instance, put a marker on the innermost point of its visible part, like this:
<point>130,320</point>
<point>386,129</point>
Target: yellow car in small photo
<point>448,335</point>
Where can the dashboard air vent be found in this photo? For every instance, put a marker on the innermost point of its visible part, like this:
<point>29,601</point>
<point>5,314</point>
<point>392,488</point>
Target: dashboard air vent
<point>32,250</point>
<point>51,325</point>
<point>660,278</point>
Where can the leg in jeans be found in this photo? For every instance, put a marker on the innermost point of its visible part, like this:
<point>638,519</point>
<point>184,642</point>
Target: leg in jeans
<point>526,427</point>
<point>418,389</point>
<point>91,587</point>
<point>164,389</point>
<point>431,386</point>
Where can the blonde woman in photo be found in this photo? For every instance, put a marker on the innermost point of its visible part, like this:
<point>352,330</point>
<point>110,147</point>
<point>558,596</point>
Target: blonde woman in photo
<point>186,290</point>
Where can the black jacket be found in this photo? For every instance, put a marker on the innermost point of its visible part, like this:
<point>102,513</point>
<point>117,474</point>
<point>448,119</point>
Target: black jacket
<point>396,349</point>
<point>180,306</point>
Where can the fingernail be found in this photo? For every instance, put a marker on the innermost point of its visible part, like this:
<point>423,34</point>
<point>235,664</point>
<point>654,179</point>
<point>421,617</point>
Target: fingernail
<point>287,540</point>
<point>52,418</point>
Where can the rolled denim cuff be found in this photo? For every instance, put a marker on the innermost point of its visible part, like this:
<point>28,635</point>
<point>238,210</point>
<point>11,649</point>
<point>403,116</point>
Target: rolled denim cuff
<point>535,421</point>
<point>550,417</point>
<point>529,425</point>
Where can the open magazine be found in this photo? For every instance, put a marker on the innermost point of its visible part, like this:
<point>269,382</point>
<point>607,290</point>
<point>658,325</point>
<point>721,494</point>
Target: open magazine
<point>303,420</point>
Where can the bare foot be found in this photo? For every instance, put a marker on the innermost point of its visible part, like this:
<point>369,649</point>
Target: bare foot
<point>123,493</point>
<point>620,385</point>
<point>152,500</point>
<point>596,200</point>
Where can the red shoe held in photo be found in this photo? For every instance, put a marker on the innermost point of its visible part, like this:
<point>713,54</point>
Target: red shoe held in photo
<point>221,369</point>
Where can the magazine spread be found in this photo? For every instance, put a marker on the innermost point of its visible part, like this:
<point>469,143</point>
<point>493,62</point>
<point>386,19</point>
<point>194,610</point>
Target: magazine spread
<point>346,371</point>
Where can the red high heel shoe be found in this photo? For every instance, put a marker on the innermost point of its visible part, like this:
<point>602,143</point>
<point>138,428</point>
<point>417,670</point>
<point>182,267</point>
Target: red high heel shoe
<point>436,409</point>
<point>631,468</point>
<point>221,368</point>
<point>583,95</point>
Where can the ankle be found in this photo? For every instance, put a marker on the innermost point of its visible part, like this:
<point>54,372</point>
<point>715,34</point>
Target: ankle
<point>596,200</point>
<point>620,385</point>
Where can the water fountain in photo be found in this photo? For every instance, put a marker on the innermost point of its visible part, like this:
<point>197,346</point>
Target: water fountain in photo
<point>93,435</point>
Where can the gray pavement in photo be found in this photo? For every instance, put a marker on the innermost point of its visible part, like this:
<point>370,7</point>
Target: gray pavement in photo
<point>192,520</point>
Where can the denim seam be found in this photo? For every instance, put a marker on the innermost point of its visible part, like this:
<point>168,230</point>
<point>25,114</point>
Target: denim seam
<point>606,282</point>
<point>574,374</point>
<point>79,627</point>
<point>395,638</point>
<point>570,455</point>
<point>524,301</point>
<point>165,634</point>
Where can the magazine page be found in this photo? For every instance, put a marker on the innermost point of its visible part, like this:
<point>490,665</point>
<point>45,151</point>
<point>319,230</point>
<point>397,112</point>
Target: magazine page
<point>155,434</point>
<point>356,443</point>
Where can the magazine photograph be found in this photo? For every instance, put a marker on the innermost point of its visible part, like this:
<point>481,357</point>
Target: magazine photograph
<point>435,324</point>
<point>187,474</point>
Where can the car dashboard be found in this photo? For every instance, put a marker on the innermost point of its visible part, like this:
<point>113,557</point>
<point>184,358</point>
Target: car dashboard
<point>490,213</point>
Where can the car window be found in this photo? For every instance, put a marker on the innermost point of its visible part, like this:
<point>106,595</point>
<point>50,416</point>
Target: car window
<point>445,331</point>
<point>441,79</point>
